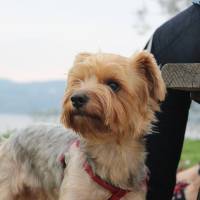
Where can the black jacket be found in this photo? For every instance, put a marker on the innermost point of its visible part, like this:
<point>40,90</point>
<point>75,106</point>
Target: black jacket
<point>176,41</point>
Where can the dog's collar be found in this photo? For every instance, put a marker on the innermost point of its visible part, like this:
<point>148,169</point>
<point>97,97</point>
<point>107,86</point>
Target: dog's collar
<point>117,193</point>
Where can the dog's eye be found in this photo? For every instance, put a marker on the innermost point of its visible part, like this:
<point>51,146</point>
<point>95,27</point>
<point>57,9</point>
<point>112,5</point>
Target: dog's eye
<point>113,85</point>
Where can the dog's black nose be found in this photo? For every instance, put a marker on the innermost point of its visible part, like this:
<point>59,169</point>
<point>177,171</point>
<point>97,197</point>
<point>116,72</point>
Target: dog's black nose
<point>79,100</point>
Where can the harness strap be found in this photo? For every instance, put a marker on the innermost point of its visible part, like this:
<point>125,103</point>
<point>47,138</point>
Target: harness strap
<point>179,191</point>
<point>117,193</point>
<point>62,156</point>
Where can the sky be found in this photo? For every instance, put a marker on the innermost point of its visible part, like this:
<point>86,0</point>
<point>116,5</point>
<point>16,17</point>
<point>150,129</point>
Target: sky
<point>40,38</point>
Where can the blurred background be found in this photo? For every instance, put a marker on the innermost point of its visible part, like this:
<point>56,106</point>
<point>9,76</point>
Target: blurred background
<point>39,39</point>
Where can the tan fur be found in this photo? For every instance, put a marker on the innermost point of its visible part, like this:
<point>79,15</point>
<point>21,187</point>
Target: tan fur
<point>115,123</point>
<point>110,127</point>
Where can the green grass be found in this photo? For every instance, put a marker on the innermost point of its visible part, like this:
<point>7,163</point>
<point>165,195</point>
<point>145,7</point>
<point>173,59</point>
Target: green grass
<point>5,135</point>
<point>191,153</point>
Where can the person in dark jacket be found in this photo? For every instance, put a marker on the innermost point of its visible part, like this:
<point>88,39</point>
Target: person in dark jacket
<point>176,41</point>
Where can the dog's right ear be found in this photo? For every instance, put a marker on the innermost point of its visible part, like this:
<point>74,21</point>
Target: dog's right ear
<point>81,57</point>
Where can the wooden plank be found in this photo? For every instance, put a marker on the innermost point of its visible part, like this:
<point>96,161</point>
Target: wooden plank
<point>182,76</point>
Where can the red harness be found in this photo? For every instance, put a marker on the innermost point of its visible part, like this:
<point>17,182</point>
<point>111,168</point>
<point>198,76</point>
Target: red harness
<point>117,193</point>
<point>179,190</point>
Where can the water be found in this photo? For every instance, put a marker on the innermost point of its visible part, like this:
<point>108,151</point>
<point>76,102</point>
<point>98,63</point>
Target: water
<point>16,121</point>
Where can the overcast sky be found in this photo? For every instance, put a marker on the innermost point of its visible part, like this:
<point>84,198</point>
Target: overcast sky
<point>39,38</point>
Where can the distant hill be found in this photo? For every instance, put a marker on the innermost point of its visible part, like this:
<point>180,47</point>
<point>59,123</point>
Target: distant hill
<point>33,97</point>
<point>41,97</point>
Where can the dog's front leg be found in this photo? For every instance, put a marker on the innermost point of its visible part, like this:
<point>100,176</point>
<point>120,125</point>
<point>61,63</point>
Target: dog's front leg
<point>70,195</point>
<point>85,195</point>
<point>73,187</point>
<point>81,187</point>
<point>73,193</point>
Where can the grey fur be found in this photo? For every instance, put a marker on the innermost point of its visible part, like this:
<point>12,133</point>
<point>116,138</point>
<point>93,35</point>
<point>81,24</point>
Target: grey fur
<point>38,148</point>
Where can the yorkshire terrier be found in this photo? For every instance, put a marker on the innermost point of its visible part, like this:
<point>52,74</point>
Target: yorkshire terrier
<point>108,108</point>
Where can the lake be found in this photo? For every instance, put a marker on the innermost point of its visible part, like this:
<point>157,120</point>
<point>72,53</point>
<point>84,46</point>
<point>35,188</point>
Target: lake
<point>17,121</point>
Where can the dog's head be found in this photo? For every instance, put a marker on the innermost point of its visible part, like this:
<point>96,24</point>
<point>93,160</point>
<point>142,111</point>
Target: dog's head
<point>110,96</point>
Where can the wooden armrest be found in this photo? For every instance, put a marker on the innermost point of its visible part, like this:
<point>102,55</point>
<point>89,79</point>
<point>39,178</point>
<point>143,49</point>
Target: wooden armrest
<point>182,76</point>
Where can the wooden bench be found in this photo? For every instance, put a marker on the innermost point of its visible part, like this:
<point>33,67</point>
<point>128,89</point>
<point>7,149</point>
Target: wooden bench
<point>184,77</point>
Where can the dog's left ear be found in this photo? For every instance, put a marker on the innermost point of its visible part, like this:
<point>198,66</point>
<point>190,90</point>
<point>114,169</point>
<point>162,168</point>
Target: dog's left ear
<point>146,65</point>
